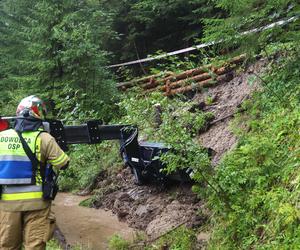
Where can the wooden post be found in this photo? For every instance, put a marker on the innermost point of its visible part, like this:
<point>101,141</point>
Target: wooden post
<point>157,115</point>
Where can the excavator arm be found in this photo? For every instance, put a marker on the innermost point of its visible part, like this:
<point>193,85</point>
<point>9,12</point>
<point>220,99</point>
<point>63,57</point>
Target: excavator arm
<point>141,157</point>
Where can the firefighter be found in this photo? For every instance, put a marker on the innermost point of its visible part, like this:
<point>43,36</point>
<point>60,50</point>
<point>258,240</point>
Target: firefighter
<point>25,152</point>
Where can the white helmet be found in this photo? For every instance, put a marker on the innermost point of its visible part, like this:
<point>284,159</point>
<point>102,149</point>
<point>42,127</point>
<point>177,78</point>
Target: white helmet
<point>32,106</point>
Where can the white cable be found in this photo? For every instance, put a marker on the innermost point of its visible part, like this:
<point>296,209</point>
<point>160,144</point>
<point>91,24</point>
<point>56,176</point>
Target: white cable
<point>270,26</point>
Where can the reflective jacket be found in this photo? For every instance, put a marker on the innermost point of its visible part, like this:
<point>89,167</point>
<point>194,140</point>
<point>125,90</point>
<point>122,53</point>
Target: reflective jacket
<point>18,179</point>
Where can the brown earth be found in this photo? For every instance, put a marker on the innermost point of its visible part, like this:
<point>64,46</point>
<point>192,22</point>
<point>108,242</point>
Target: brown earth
<point>227,99</point>
<point>150,208</point>
<point>157,210</point>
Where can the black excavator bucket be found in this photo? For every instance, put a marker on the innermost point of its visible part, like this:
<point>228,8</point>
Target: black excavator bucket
<point>142,158</point>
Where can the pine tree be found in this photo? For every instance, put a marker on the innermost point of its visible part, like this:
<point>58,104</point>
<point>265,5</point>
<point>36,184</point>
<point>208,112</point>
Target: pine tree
<point>148,26</point>
<point>59,53</point>
<point>245,16</point>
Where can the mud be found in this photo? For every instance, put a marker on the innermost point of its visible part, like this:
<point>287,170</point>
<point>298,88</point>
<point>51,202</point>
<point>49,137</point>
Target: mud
<point>156,209</point>
<point>89,228</point>
<point>153,209</point>
<point>227,99</point>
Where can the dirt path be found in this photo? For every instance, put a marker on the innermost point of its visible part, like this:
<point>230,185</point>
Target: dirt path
<point>90,228</point>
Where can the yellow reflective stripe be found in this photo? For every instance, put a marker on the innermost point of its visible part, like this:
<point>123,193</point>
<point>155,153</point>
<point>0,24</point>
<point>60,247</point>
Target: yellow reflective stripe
<point>22,196</point>
<point>38,177</point>
<point>62,161</point>
<point>38,148</point>
<point>54,161</point>
<point>59,160</point>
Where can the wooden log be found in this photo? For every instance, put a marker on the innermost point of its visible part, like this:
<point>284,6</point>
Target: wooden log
<point>198,78</point>
<point>167,87</point>
<point>203,69</point>
<point>181,76</point>
<point>137,81</point>
<point>125,85</point>
<point>187,74</point>
<point>187,81</point>
<point>150,82</point>
<point>195,75</point>
<point>237,59</point>
<point>172,85</point>
<point>199,85</point>
<point>150,86</point>
<point>191,81</point>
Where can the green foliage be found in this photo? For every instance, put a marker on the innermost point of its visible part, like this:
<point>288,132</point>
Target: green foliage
<point>53,245</point>
<point>59,49</point>
<point>86,203</point>
<point>56,49</point>
<point>178,129</point>
<point>173,63</point>
<point>260,177</point>
<point>247,15</point>
<point>118,243</point>
<point>87,162</point>
<point>148,26</point>
<point>179,239</point>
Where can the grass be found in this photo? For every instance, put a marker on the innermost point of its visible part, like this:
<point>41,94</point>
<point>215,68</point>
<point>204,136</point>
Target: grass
<point>53,245</point>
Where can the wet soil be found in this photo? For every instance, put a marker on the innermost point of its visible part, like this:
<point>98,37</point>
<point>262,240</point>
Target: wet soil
<point>157,209</point>
<point>228,98</point>
<point>154,208</point>
<point>86,227</point>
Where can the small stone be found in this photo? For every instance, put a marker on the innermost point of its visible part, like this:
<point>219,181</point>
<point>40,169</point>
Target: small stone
<point>203,236</point>
<point>142,210</point>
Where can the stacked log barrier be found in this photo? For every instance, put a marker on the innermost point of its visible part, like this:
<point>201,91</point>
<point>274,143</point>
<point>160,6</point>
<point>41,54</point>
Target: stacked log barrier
<point>141,81</point>
<point>199,85</point>
<point>198,78</point>
<point>190,80</point>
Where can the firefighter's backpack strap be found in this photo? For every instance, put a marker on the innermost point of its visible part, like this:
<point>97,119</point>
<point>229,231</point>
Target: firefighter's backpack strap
<point>31,156</point>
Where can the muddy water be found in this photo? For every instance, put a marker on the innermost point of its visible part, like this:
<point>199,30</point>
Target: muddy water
<point>87,227</point>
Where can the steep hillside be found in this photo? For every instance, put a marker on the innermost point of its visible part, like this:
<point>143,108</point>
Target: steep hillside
<point>158,210</point>
<point>227,100</point>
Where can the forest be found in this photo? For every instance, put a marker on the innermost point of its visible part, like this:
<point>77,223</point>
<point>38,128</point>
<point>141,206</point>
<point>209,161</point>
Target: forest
<point>62,50</point>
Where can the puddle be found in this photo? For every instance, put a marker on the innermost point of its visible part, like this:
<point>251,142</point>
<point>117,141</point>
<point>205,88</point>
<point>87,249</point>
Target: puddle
<point>87,227</point>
